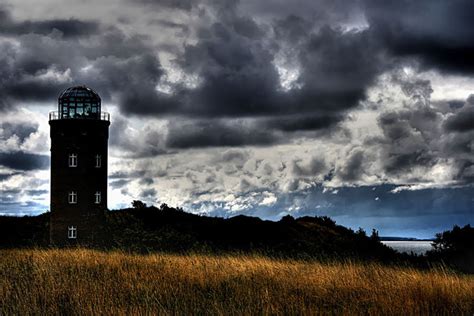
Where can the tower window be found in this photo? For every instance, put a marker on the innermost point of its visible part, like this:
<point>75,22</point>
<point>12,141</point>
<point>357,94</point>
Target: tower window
<point>72,198</point>
<point>72,232</point>
<point>97,197</point>
<point>98,161</point>
<point>72,160</point>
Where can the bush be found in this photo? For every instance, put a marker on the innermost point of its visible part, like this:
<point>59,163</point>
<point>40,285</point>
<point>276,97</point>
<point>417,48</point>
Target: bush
<point>455,247</point>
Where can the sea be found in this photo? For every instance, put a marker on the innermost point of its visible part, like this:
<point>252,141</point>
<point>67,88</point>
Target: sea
<point>416,246</point>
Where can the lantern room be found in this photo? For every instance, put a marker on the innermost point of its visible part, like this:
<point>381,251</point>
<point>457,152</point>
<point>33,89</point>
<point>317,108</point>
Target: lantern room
<point>79,102</point>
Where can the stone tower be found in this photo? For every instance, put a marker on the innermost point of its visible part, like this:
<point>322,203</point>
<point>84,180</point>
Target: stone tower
<point>79,137</point>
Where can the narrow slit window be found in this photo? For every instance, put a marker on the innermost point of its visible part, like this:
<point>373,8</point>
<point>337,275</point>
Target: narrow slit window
<point>72,160</point>
<point>97,197</point>
<point>98,161</point>
<point>72,198</point>
<point>72,232</point>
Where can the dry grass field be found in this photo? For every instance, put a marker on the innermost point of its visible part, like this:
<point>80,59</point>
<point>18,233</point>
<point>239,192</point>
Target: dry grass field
<point>72,282</point>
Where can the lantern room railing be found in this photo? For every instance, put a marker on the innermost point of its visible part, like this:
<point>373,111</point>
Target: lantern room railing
<point>102,116</point>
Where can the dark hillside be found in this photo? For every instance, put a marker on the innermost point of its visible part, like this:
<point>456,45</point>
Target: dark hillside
<point>147,229</point>
<point>455,247</point>
<point>165,228</point>
<point>24,231</point>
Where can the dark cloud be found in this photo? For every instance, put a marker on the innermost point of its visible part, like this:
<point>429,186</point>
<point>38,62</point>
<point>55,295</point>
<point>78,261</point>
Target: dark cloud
<point>234,61</point>
<point>403,163</point>
<point>438,33</point>
<point>213,133</point>
<point>303,123</point>
<point>462,121</point>
<point>23,161</point>
<point>234,58</point>
<point>117,184</point>
<point>236,73</point>
<point>148,194</point>
<point>170,24</point>
<point>39,66</point>
<point>456,104</point>
<point>6,176</point>
<point>337,68</point>
<point>459,146</point>
<point>147,142</point>
<point>170,4</point>
<point>235,156</point>
<point>9,196</point>
<point>320,12</point>
<point>411,137</point>
<point>146,181</point>
<point>68,28</point>
<point>21,129</point>
<point>354,167</point>
<point>127,175</point>
<point>315,167</point>
<point>239,78</point>
<point>293,29</point>
<point>117,132</point>
<point>425,134</point>
<point>133,81</point>
<point>36,192</point>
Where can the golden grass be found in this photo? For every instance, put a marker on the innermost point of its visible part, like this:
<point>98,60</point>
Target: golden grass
<point>81,281</point>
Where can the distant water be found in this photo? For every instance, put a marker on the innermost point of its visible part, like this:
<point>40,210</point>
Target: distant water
<point>415,246</point>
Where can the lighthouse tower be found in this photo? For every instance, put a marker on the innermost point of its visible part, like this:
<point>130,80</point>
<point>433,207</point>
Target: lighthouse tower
<point>79,136</point>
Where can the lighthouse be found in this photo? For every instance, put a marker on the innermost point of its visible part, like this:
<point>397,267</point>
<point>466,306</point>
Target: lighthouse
<point>79,133</point>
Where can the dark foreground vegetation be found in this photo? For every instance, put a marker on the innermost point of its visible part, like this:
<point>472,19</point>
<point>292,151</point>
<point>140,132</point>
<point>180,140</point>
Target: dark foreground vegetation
<point>142,229</point>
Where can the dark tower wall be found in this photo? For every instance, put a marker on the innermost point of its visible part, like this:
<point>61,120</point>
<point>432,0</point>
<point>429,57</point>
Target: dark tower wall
<point>86,138</point>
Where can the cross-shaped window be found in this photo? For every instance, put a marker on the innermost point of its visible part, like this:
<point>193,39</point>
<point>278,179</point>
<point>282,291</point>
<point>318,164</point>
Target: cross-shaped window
<point>72,160</point>
<point>72,232</point>
<point>97,197</point>
<point>72,199</point>
<point>98,161</point>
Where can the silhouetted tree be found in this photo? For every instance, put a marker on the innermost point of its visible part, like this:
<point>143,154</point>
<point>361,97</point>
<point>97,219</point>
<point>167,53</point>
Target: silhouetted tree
<point>138,204</point>
<point>361,232</point>
<point>287,219</point>
<point>456,240</point>
<point>375,235</point>
<point>327,221</point>
<point>164,207</point>
<point>455,247</point>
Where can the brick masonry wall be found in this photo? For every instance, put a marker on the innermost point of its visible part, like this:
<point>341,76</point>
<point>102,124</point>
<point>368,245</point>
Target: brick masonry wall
<point>86,138</point>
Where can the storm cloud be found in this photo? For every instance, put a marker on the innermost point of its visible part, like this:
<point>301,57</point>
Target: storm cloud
<point>218,133</point>
<point>23,161</point>
<point>19,129</point>
<point>463,121</point>
<point>67,28</point>
<point>438,33</point>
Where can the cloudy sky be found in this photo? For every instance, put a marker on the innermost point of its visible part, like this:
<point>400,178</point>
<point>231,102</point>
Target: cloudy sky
<point>362,111</point>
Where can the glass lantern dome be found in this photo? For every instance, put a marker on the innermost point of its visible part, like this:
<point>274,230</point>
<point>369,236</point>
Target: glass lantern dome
<point>79,102</point>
